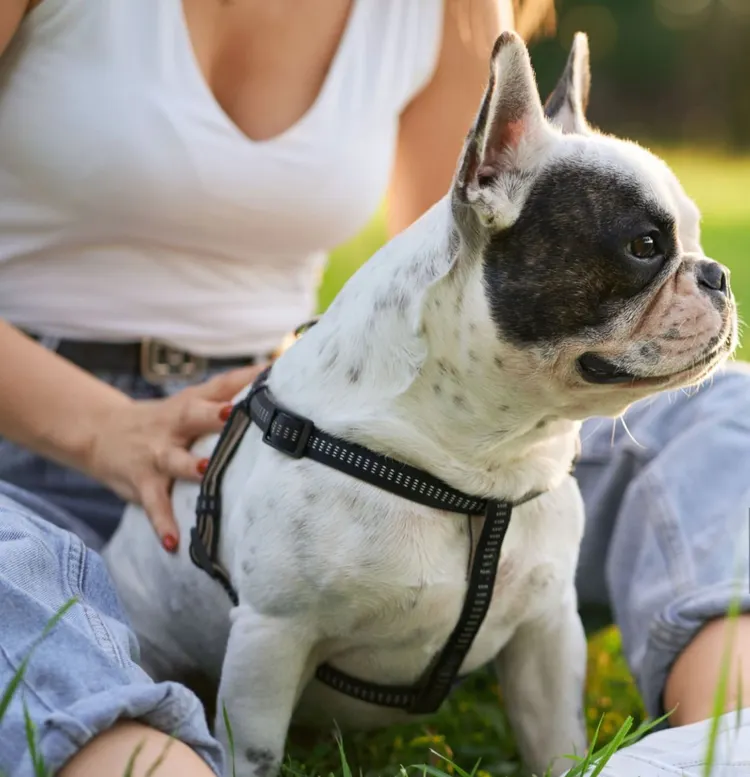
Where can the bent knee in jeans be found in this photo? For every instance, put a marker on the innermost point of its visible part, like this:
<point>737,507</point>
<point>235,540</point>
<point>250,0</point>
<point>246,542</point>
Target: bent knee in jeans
<point>83,676</point>
<point>667,498</point>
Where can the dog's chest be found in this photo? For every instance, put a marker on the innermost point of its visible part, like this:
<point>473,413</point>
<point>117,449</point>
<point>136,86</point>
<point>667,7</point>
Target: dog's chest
<point>405,589</point>
<point>394,623</point>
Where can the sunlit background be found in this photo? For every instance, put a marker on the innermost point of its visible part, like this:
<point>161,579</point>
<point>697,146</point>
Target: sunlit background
<point>674,75</point>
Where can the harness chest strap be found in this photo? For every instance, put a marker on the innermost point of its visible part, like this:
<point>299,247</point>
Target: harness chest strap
<point>297,437</point>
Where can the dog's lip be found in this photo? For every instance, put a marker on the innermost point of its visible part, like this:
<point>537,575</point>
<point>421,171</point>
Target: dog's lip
<point>598,370</point>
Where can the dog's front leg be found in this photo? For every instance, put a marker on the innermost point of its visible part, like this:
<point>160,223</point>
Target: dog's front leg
<point>542,673</point>
<point>262,676</point>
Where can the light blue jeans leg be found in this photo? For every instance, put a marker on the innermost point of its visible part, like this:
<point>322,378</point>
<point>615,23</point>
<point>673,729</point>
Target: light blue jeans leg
<point>84,676</point>
<point>666,543</point>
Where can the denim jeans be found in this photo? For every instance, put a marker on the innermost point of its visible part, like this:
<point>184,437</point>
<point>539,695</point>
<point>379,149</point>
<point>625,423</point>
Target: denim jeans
<point>666,546</point>
<point>84,676</point>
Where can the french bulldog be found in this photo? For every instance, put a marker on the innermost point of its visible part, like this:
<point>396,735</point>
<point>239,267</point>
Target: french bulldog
<point>561,277</point>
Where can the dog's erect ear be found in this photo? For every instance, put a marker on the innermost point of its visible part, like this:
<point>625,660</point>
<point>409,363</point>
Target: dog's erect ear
<point>508,134</point>
<point>566,106</point>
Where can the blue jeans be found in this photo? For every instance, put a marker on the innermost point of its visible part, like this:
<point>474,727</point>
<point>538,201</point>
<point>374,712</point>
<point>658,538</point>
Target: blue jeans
<point>666,544</point>
<point>84,677</point>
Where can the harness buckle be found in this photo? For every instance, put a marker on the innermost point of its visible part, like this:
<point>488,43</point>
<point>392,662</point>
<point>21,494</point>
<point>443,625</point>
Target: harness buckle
<point>288,433</point>
<point>161,362</point>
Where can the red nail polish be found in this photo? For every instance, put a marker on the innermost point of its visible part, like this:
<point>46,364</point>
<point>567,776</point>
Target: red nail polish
<point>169,543</point>
<point>225,412</point>
<point>202,466</point>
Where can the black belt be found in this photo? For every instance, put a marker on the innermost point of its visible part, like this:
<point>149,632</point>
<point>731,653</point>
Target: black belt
<point>297,437</point>
<point>153,360</point>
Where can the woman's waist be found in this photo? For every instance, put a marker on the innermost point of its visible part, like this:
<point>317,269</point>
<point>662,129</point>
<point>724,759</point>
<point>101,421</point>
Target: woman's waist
<point>208,313</point>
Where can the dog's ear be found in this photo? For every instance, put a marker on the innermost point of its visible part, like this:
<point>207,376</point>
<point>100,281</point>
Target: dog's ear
<point>508,135</point>
<point>566,106</point>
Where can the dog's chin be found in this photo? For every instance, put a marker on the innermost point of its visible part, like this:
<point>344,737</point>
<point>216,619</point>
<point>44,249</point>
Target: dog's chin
<point>596,370</point>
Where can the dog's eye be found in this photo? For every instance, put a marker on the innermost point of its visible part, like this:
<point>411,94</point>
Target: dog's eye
<point>643,247</point>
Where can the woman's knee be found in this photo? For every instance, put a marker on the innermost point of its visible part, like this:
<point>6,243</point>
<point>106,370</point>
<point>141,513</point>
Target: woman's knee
<point>64,635</point>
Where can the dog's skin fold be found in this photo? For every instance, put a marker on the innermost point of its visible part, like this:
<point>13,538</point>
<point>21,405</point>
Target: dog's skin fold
<point>461,347</point>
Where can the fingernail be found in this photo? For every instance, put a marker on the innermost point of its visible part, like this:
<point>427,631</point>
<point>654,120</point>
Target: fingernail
<point>169,543</point>
<point>225,412</point>
<point>202,466</point>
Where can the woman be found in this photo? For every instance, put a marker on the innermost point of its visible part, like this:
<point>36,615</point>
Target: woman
<point>151,153</point>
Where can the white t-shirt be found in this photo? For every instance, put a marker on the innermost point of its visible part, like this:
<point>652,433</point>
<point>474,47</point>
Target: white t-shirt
<point>132,206</point>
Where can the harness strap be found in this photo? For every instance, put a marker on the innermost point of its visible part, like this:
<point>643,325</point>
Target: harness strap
<point>296,436</point>
<point>204,536</point>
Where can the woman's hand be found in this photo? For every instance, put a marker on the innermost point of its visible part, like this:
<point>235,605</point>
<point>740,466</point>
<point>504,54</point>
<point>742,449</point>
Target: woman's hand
<point>141,447</point>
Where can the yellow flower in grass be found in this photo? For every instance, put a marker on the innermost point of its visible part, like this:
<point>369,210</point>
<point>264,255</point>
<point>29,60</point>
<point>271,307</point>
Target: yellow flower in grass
<point>425,740</point>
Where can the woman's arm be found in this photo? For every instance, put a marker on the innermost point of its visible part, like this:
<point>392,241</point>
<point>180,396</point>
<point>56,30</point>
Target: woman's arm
<point>433,126</point>
<point>11,15</point>
<point>137,448</point>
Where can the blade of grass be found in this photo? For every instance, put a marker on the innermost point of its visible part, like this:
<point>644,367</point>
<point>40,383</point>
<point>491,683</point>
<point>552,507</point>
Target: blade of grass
<point>435,772</point>
<point>230,737</point>
<point>738,711</point>
<point>160,758</point>
<point>17,678</point>
<point>131,761</point>
<point>582,762</point>
<point>346,770</point>
<point>613,746</point>
<point>720,696</point>
<point>40,770</point>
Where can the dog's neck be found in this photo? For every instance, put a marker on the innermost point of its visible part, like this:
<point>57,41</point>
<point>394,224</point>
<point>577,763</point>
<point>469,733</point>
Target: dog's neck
<point>407,362</point>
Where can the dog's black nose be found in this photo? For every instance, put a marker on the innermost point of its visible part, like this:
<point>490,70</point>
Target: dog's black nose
<point>712,276</point>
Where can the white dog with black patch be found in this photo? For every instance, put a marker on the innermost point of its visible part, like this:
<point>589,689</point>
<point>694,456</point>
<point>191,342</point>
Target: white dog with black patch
<point>561,277</point>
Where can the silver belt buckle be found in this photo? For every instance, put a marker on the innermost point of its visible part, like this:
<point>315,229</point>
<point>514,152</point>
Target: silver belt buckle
<point>161,362</point>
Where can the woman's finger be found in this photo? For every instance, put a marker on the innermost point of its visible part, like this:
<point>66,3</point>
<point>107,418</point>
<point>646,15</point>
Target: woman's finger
<point>180,464</point>
<point>200,416</point>
<point>155,500</point>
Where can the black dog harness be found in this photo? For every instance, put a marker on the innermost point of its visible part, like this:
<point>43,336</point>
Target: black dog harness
<point>297,437</point>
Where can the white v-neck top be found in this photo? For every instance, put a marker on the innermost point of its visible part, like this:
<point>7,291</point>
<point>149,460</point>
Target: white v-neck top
<point>132,206</point>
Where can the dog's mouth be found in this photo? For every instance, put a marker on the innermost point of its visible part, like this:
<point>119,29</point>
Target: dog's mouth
<point>595,369</point>
<point>600,371</point>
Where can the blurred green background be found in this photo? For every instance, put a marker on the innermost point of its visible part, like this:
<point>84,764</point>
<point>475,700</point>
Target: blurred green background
<point>675,76</point>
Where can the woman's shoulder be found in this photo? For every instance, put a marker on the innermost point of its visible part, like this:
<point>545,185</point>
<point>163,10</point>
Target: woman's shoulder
<point>402,41</point>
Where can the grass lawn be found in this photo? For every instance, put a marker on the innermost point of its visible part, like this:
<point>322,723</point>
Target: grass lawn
<point>471,725</point>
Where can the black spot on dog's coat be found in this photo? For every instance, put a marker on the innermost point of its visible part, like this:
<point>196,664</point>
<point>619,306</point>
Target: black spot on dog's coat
<point>263,760</point>
<point>650,352</point>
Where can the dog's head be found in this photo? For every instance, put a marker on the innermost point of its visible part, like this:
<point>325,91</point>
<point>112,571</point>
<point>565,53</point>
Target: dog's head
<point>586,246</point>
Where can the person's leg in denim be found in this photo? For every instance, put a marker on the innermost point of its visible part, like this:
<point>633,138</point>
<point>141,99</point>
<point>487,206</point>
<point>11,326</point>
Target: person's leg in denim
<point>83,677</point>
<point>666,547</point>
